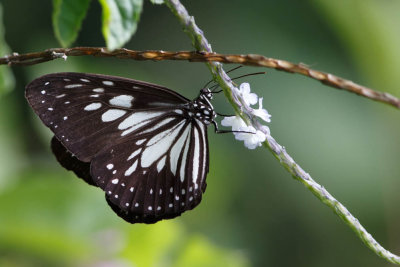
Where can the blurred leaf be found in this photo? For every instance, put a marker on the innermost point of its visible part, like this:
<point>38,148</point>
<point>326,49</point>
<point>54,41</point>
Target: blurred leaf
<point>149,245</point>
<point>371,31</point>
<point>199,252</point>
<point>67,19</point>
<point>55,219</point>
<point>7,81</point>
<point>157,2</point>
<point>120,18</point>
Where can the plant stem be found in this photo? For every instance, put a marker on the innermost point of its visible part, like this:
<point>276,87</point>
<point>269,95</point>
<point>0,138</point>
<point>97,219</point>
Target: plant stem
<point>201,44</point>
<point>193,56</point>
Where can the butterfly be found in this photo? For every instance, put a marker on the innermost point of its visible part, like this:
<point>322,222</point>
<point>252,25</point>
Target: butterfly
<point>143,144</point>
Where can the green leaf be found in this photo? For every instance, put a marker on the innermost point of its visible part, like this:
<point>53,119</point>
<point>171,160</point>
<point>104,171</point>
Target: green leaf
<point>157,2</point>
<point>67,19</point>
<point>7,81</point>
<point>120,18</point>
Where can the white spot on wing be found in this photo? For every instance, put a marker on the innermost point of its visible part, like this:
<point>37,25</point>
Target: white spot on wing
<point>112,114</point>
<point>164,141</point>
<point>59,96</point>
<point>109,83</point>
<point>115,181</point>
<point>98,90</point>
<point>161,164</point>
<point>46,83</point>
<point>96,95</point>
<point>110,166</point>
<point>92,106</point>
<point>84,80</point>
<point>122,101</point>
<point>131,168</point>
<point>43,92</point>
<point>179,111</point>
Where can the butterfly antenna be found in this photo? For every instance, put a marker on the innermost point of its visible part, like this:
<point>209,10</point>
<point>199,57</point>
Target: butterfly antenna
<point>249,74</point>
<point>242,76</point>
<point>238,67</point>
<point>235,68</point>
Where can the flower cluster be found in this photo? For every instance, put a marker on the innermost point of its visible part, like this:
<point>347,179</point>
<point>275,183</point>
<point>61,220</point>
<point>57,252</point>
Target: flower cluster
<point>252,138</point>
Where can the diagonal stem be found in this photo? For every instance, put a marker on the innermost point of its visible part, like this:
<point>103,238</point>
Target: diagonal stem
<point>201,44</point>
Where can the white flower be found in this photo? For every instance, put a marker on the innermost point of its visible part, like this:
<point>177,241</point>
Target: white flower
<point>261,113</point>
<point>253,138</point>
<point>235,122</point>
<point>249,98</point>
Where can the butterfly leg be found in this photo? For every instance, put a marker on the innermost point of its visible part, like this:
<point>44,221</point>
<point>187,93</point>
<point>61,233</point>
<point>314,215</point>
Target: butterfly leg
<point>218,131</point>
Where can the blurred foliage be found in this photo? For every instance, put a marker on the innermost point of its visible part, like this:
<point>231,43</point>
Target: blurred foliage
<point>6,78</point>
<point>252,214</point>
<point>120,19</point>
<point>67,19</point>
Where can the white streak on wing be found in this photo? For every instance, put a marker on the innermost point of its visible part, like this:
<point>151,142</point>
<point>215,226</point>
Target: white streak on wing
<point>161,164</point>
<point>122,101</point>
<point>59,96</point>
<point>196,155</point>
<point>141,141</point>
<point>98,90</point>
<point>155,139</point>
<point>84,80</point>
<point>96,95</point>
<point>164,141</point>
<point>73,85</point>
<point>133,128</point>
<point>203,134</point>
<point>179,111</point>
<point>184,157</point>
<point>158,125</point>
<point>92,106</point>
<point>177,149</point>
<point>136,118</point>
<point>112,114</point>
<point>131,169</point>
<point>135,153</point>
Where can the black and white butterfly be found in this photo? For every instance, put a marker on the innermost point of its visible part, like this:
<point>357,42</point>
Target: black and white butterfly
<point>143,144</point>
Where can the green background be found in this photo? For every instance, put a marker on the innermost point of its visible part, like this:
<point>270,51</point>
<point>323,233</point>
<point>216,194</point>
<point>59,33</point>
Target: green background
<point>253,213</point>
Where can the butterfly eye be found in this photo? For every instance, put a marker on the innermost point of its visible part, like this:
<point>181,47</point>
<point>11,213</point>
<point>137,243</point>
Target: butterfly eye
<point>141,143</point>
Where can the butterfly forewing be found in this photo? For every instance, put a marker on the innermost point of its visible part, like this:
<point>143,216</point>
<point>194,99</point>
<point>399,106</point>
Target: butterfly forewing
<point>137,141</point>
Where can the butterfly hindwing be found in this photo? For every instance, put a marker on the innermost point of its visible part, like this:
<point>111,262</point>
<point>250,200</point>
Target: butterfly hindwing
<point>154,176</point>
<point>136,141</point>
